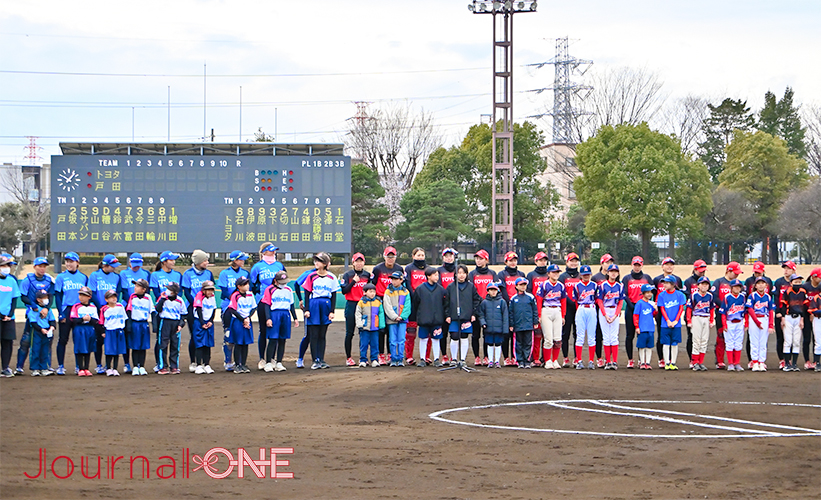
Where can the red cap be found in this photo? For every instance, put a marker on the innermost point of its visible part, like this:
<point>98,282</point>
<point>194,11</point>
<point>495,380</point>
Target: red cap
<point>699,265</point>
<point>735,267</point>
<point>357,256</point>
<point>816,272</point>
<point>571,256</point>
<point>758,267</point>
<point>482,254</point>
<point>511,255</point>
<point>389,250</point>
<point>789,264</point>
<point>638,260</point>
<point>668,260</point>
<point>540,255</point>
<point>605,258</point>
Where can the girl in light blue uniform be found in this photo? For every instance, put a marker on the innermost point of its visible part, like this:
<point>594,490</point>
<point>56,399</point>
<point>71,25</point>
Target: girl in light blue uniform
<point>100,282</point>
<point>320,298</point>
<point>262,276</point>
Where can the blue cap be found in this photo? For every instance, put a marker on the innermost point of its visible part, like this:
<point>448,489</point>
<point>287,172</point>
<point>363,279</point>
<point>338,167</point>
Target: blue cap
<point>703,279</point>
<point>111,260</point>
<point>612,267</point>
<point>669,279</point>
<point>9,257</point>
<point>40,260</point>
<point>493,284</point>
<point>553,268</point>
<point>736,282</point>
<point>72,256</point>
<point>398,274</point>
<point>647,288</point>
<point>237,254</point>
<point>136,258</point>
<point>520,280</point>
<point>168,255</point>
<point>585,270</point>
<point>270,248</point>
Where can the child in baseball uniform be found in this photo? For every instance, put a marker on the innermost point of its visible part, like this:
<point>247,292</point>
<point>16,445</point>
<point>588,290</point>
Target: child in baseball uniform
<point>761,323</point>
<point>610,299</point>
<point>584,296</point>
<point>494,318</point>
<point>320,288</point>
<point>204,310</point>
<point>370,318</point>
<point>554,307</point>
<point>644,312</point>
<point>169,320</point>
<point>671,304</point>
<point>794,303</point>
<point>240,309</point>
<point>732,316</point>
<point>139,309</point>
<point>814,310</point>
<point>42,331</point>
<point>396,303</point>
<point>524,317</point>
<point>700,317</point>
<point>113,317</point>
<point>84,319</point>
<point>279,300</point>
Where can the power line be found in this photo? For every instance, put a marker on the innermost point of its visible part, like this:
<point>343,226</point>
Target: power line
<point>269,75</point>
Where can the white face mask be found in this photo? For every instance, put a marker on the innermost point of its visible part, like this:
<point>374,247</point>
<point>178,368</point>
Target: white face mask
<point>5,270</point>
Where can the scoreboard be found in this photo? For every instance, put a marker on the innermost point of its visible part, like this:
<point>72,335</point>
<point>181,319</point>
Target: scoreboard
<point>219,203</point>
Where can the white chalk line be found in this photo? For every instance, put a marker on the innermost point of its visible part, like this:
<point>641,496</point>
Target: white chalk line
<point>745,433</point>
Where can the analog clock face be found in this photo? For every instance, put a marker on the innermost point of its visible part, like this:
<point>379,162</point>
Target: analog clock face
<point>68,179</point>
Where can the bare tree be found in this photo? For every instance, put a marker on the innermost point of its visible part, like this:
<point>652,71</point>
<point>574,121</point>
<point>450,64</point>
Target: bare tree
<point>684,118</point>
<point>622,95</point>
<point>35,211</point>
<point>800,219</point>
<point>812,119</point>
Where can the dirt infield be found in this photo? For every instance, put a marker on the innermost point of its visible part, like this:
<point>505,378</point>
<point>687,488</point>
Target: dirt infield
<point>366,433</point>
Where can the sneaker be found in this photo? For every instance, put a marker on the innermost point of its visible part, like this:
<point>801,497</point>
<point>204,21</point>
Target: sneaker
<point>647,366</point>
<point>720,365</point>
<point>400,363</point>
<point>421,363</point>
<point>509,362</point>
<point>135,372</point>
<point>238,369</point>
<point>176,371</point>
<point>498,365</point>
<point>548,365</point>
<point>192,368</point>
<point>536,363</point>
<point>143,371</point>
<point>521,365</point>
<point>438,364</point>
<point>126,368</point>
<point>46,372</point>
<point>268,368</point>
<point>208,369</point>
<point>484,361</point>
<point>667,367</point>
<point>350,362</point>
<point>566,363</point>
<point>35,373</point>
<point>675,367</point>
<point>557,365</point>
<point>261,365</point>
<point>164,371</point>
<point>591,365</point>
<point>409,361</point>
<point>631,364</point>
<point>738,368</point>
<point>730,368</point>
<point>392,364</point>
<point>375,363</point>
<point>817,367</point>
<point>781,365</point>
<point>600,363</point>
<point>607,366</point>
<point>528,366</point>
<point>300,363</point>
<point>787,368</point>
<point>200,370</point>
<point>229,367</point>
<point>279,367</point>
<point>580,366</point>
<point>691,366</point>
<point>453,362</point>
<point>701,367</point>
<point>19,371</point>
<point>61,370</point>
<point>615,366</point>
<point>381,360</point>
<point>100,369</point>
<point>428,361</point>
<point>695,367</point>
<point>807,366</point>
<point>324,365</point>
<point>750,365</point>
<point>115,373</point>
<point>108,372</point>
<point>477,361</point>
<point>661,363</point>
<point>445,360</point>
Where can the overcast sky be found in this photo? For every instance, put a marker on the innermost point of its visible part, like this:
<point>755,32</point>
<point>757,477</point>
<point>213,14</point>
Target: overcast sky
<point>310,60</point>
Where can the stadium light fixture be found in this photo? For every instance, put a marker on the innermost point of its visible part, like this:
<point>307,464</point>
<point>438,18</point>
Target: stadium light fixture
<point>501,6</point>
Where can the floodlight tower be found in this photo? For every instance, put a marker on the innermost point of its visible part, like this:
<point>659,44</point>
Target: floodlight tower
<point>502,119</point>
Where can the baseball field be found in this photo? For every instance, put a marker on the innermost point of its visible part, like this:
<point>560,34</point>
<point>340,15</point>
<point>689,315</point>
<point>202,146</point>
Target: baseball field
<point>387,433</point>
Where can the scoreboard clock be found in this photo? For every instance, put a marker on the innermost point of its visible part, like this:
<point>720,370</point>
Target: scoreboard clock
<point>219,203</point>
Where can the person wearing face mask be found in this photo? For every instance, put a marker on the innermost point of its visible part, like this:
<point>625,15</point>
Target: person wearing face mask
<point>262,276</point>
<point>30,286</point>
<point>415,276</point>
<point>42,331</point>
<point>66,288</point>
<point>9,291</point>
<point>192,280</point>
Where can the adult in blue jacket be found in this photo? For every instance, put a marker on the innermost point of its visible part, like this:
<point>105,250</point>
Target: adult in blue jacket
<point>29,286</point>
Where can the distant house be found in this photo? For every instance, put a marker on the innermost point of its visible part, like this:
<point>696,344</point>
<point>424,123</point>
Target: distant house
<point>561,172</point>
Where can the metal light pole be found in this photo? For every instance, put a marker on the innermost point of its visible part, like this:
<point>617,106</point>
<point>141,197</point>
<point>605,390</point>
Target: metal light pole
<point>502,120</point>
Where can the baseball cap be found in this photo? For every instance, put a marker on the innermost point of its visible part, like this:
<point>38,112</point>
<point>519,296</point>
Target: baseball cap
<point>735,267</point>
<point>42,293</point>
<point>168,255</point>
<point>539,256</point>
<point>736,282</point>
<point>493,284</point>
<point>585,270</point>
<point>553,268</point>
<point>389,250</point>
<point>571,256</point>
<point>136,258</point>
<point>796,277</point>
<point>40,261</point>
<point>238,254</point>
<point>511,255</point>
<point>519,281</point>
<point>281,277</point>
<point>270,248</point>
<point>789,264</point>
<point>357,256</point>
<point>9,257</point>
<point>816,272</point>
<point>699,265</point>
<point>669,279</point>
<point>208,285</point>
<point>368,286</point>
<point>703,279</point>
<point>612,267</point>
<point>111,260</point>
<point>637,260</point>
<point>72,256</point>
<point>448,250</point>
<point>398,275</point>
<point>760,278</point>
<point>758,267</point>
<point>668,260</point>
<point>142,282</point>
<point>647,288</point>
<point>175,287</point>
<point>84,291</point>
<point>110,293</point>
<point>605,258</point>
<point>482,254</point>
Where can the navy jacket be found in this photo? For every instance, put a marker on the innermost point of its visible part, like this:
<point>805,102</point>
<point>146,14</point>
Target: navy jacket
<point>523,313</point>
<point>493,314</point>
